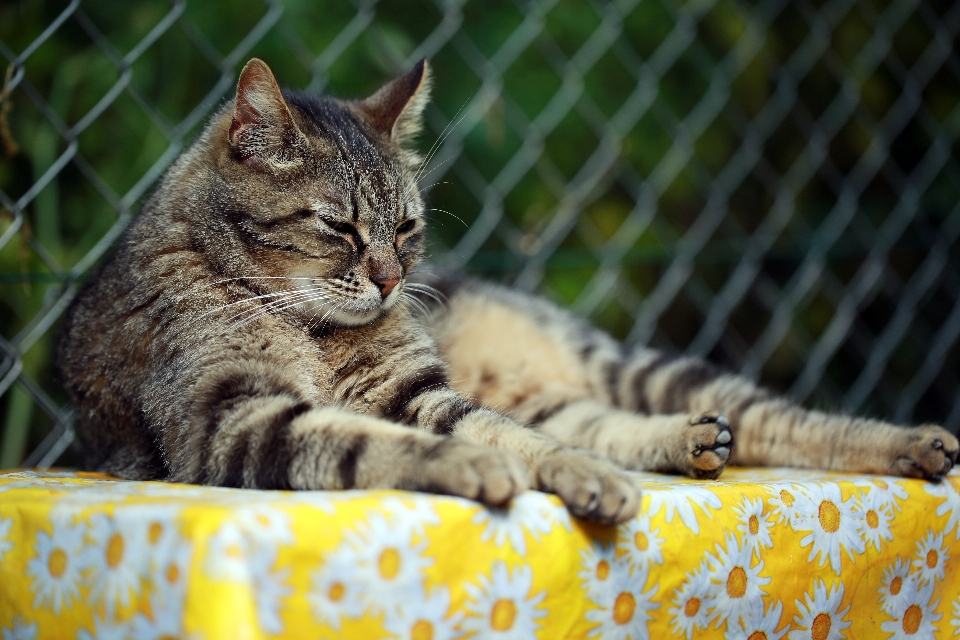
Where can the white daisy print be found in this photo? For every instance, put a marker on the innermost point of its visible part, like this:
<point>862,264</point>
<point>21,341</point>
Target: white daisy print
<point>530,512</point>
<point>165,621</point>
<point>424,618</point>
<point>502,606</point>
<point>950,507</point>
<point>20,630</point>
<point>389,564</point>
<point>914,616</point>
<point>889,491</point>
<point>416,512</point>
<point>56,569</point>
<point>269,588</point>
<point>955,622</point>
<point>897,585</point>
<point>833,524</point>
<point>819,616</point>
<point>5,545</point>
<point>689,612</point>
<point>624,607</point>
<point>642,544</point>
<point>786,502</point>
<point>753,525</point>
<point>266,523</point>
<point>930,558</point>
<point>757,623</point>
<point>680,500</point>
<point>103,630</point>
<point>116,560</point>
<point>228,555</point>
<point>335,594</point>
<point>595,563</point>
<point>735,582</point>
<point>875,514</point>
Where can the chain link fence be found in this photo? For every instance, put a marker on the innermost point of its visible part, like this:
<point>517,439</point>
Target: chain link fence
<point>774,185</point>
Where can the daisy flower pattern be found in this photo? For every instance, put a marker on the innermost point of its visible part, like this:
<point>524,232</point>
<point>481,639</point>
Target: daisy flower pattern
<point>116,560</point>
<point>898,585</point>
<point>950,507</point>
<point>680,501</point>
<point>502,606</point>
<point>529,513</point>
<point>227,556</point>
<point>641,544</point>
<point>5,544</point>
<point>595,563</point>
<point>757,623</point>
<point>20,630</point>
<point>425,617</point>
<point>785,502</point>
<point>56,566</point>
<point>930,558</point>
<point>875,514</point>
<point>914,616</point>
<point>623,605</point>
<point>735,582</point>
<point>753,525</point>
<point>688,615</point>
<point>389,565</point>
<point>819,616</point>
<point>334,595</point>
<point>269,588</point>
<point>833,525</point>
<point>955,622</point>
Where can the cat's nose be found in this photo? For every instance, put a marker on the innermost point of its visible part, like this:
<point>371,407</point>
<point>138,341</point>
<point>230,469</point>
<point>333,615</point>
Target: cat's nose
<point>385,284</point>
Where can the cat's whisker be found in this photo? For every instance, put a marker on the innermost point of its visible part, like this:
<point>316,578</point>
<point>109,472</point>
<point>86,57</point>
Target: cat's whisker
<point>429,291</point>
<point>250,299</point>
<point>275,306</point>
<point>453,215</point>
<point>415,303</point>
<point>447,130</point>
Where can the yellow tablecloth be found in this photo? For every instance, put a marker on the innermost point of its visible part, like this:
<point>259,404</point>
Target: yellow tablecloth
<point>762,554</point>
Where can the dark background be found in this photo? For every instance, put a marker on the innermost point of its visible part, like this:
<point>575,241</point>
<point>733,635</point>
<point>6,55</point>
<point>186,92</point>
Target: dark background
<point>771,184</point>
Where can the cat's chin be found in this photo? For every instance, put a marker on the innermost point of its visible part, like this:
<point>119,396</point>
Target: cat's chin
<point>357,316</point>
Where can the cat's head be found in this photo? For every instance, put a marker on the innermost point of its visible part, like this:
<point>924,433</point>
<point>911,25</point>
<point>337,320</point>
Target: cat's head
<point>318,197</point>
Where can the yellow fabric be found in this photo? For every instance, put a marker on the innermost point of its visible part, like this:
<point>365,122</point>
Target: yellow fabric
<point>786,553</point>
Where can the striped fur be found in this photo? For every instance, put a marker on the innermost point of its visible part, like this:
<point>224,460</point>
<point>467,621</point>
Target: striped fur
<point>255,328</point>
<point>649,410</point>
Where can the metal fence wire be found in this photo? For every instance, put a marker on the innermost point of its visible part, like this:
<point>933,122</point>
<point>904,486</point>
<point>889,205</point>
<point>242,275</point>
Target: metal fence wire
<point>771,184</point>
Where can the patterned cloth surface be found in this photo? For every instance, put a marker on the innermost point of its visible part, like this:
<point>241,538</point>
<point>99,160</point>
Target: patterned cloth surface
<point>763,554</point>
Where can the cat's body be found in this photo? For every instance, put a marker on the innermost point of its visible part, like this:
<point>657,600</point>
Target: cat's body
<point>251,330</point>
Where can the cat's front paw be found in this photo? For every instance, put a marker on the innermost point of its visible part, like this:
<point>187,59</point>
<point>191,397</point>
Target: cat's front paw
<point>928,452</point>
<point>708,442</point>
<point>590,487</point>
<point>459,468</point>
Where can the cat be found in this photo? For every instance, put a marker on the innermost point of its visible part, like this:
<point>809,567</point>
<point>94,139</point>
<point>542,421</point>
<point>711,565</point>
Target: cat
<point>261,324</point>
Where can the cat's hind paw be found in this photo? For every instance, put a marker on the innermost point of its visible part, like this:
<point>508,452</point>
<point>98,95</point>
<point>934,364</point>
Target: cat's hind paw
<point>590,487</point>
<point>709,444</point>
<point>928,452</point>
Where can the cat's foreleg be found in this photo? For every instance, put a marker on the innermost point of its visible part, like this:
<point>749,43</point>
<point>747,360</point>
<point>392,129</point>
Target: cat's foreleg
<point>420,396</point>
<point>279,442</point>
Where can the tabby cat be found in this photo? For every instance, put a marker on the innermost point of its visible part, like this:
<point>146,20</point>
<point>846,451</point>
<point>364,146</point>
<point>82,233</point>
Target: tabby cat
<point>260,325</point>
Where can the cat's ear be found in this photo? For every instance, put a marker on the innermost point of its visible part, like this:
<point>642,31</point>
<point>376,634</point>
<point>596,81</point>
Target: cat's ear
<point>396,109</point>
<point>263,132</point>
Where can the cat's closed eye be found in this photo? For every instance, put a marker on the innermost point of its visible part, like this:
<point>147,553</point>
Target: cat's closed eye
<point>406,227</point>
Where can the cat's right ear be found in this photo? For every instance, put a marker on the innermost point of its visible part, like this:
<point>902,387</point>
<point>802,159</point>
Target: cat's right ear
<point>263,133</point>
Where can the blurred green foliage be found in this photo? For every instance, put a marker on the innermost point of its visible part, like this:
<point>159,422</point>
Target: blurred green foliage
<point>169,89</point>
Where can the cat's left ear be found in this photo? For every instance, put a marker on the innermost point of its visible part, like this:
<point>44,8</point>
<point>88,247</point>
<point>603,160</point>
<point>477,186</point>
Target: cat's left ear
<point>396,109</point>
<point>263,133</point>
